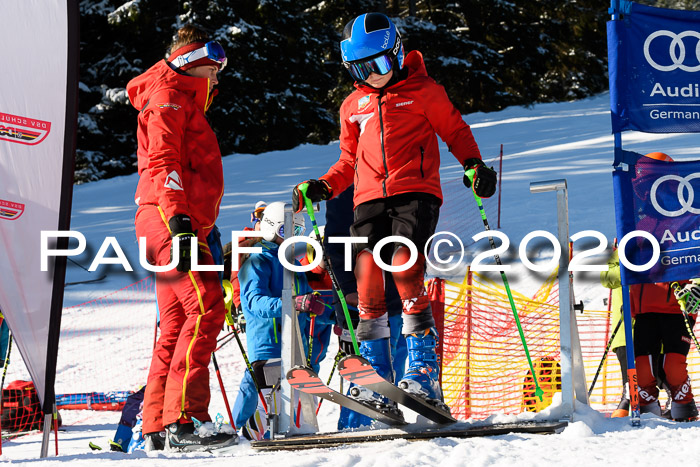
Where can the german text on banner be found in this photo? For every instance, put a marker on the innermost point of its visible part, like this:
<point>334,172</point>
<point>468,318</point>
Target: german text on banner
<point>663,199</point>
<point>654,66</point>
<point>38,90</point>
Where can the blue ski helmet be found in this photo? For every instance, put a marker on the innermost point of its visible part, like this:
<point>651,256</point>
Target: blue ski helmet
<point>371,44</point>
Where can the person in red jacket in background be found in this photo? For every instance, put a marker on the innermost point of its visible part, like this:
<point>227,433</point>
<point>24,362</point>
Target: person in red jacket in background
<point>389,150</point>
<point>179,191</point>
<point>659,328</point>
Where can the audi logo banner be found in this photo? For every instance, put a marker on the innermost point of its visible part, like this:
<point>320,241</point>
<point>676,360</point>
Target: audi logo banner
<point>654,70</point>
<point>660,202</point>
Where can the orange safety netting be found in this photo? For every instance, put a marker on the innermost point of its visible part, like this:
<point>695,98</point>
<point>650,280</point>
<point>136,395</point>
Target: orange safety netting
<point>484,367</point>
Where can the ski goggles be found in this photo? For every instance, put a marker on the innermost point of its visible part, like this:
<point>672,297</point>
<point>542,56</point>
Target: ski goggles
<point>361,70</point>
<point>298,230</point>
<point>256,215</point>
<point>211,50</point>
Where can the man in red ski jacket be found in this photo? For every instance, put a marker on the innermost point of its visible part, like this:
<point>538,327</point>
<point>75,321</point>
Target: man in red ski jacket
<point>389,150</point>
<point>179,191</point>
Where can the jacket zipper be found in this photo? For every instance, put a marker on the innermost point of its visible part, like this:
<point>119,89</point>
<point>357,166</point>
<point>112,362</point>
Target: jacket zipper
<point>422,153</point>
<point>381,137</point>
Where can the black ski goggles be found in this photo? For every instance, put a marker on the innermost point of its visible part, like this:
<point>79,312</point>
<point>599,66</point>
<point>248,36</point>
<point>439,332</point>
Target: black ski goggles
<point>360,70</point>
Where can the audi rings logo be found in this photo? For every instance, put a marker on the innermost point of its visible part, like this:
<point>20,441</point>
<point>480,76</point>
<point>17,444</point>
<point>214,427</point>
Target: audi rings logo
<point>676,51</point>
<point>683,187</point>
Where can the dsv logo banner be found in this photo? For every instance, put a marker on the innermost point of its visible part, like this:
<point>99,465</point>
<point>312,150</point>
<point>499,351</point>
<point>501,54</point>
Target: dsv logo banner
<point>683,50</point>
<point>685,193</point>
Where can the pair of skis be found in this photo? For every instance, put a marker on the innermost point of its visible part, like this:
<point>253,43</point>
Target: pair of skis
<point>357,370</point>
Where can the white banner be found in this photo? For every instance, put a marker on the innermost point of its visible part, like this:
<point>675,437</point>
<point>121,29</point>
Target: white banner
<point>38,90</point>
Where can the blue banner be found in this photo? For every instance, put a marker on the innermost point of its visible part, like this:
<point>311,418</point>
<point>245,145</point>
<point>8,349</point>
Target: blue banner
<point>663,199</point>
<point>654,69</point>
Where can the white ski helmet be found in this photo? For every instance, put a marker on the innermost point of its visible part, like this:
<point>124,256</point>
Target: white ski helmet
<point>272,222</point>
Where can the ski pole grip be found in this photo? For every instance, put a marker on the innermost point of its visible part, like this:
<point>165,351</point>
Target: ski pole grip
<point>307,202</point>
<point>470,173</point>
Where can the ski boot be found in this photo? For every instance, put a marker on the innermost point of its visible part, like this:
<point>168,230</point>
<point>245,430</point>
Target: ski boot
<point>623,408</point>
<point>422,375</point>
<point>183,437</point>
<point>154,441</point>
<point>687,412</point>
<point>378,353</point>
<point>654,408</point>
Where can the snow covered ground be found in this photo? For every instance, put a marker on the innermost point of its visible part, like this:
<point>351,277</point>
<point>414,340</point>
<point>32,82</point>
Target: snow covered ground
<point>549,141</point>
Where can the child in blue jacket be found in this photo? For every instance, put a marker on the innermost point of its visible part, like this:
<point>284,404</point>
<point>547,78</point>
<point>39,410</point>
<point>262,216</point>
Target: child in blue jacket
<point>261,279</point>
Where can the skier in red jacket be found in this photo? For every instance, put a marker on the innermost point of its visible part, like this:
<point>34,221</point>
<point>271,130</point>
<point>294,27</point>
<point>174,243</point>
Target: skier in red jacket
<point>179,191</point>
<point>660,329</point>
<point>389,150</point>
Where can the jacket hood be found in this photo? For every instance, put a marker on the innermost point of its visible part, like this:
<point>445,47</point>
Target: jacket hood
<point>160,76</point>
<point>416,67</point>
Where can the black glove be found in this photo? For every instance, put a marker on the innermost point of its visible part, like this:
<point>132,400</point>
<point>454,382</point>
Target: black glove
<point>318,190</point>
<point>181,232</point>
<point>485,178</point>
<point>344,340</point>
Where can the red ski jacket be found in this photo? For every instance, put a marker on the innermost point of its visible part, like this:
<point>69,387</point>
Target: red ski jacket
<point>179,159</point>
<point>654,298</point>
<point>388,137</point>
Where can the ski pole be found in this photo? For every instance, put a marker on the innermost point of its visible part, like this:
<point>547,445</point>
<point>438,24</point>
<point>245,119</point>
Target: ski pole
<point>226,340</point>
<point>338,356</point>
<point>605,354</point>
<point>223,391</point>
<point>228,292</point>
<point>538,391</point>
<point>250,369</point>
<point>309,354</point>
<point>676,287</point>
<point>310,211</point>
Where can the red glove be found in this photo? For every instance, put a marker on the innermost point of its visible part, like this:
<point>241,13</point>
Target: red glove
<point>310,303</point>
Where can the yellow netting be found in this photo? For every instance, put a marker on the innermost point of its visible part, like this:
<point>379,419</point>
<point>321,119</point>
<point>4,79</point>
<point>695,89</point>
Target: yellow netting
<point>484,367</point>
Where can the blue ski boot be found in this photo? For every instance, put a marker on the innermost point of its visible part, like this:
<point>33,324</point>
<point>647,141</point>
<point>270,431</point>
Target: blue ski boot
<point>378,354</point>
<point>423,372</point>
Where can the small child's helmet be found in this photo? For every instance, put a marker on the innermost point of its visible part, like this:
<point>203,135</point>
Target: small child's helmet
<point>272,222</point>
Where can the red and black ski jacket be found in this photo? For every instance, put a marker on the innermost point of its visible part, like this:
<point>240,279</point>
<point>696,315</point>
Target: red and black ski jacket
<point>388,137</point>
<point>654,298</point>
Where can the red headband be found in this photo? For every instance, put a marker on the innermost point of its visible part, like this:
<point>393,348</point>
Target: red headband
<point>190,48</point>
